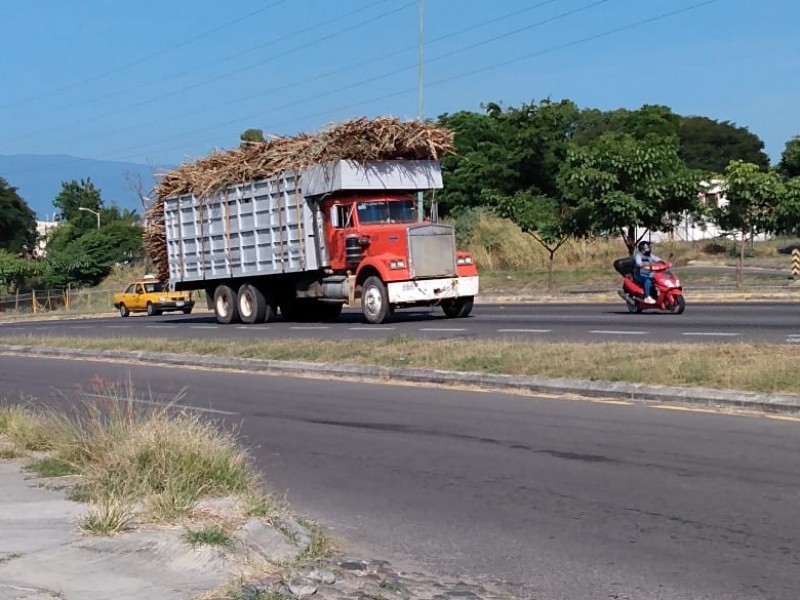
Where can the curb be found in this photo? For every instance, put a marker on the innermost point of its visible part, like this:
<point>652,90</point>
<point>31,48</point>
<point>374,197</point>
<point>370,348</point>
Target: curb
<point>635,392</point>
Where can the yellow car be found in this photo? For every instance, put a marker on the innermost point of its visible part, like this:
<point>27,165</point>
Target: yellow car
<point>153,297</point>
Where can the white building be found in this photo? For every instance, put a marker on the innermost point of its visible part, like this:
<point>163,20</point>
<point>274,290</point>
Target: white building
<point>43,228</point>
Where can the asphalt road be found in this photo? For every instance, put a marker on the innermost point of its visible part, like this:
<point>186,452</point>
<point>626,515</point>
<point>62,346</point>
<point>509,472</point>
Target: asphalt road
<point>764,322</point>
<point>577,500</point>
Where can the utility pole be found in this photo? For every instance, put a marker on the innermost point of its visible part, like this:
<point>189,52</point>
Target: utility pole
<point>421,113</point>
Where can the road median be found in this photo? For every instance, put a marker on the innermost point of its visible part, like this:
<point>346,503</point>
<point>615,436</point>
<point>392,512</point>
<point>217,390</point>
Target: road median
<point>768,402</point>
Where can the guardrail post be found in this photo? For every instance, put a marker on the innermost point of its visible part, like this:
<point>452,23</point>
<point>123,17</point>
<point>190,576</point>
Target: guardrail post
<point>795,263</point>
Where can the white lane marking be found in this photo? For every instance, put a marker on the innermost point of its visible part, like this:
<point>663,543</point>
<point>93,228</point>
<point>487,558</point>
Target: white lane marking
<point>160,326</point>
<point>710,334</point>
<point>524,330</point>
<point>615,332</point>
<point>310,327</point>
<point>165,404</point>
<point>372,328</point>
<point>440,329</point>
<point>82,327</point>
<point>117,326</point>
<point>203,326</point>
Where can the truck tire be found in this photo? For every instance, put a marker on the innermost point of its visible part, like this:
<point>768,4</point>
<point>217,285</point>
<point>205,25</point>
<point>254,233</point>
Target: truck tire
<point>458,308</point>
<point>375,301</point>
<point>226,308</point>
<point>329,311</point>
<point>253,306</point>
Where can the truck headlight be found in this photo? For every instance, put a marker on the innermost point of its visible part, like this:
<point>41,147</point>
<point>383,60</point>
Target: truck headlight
<point>464,260</point>
<point>397,264</point>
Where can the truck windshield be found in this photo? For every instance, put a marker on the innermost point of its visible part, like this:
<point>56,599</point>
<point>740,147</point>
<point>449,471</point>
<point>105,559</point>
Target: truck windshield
<point>387,211</point>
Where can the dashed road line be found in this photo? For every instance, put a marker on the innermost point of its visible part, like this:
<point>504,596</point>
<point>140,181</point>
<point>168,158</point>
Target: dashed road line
<point>303,327</point>
<point>710,334</point>
<point>616,332</point>
<point>204,326</point>
<point>440,329</point>
<point>372,328</point>
<point>524,330</point>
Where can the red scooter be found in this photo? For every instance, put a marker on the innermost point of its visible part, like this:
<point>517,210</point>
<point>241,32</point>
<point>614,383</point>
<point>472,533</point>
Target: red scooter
<point>666,290</point>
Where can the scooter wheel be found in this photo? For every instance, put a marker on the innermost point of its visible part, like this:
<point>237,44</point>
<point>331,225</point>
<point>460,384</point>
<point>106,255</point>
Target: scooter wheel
<point>679,306</point>
<point>633,306</point>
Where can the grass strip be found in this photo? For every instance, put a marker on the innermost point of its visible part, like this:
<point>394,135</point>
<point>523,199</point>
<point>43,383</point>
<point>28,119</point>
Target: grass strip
<point>740,366</point>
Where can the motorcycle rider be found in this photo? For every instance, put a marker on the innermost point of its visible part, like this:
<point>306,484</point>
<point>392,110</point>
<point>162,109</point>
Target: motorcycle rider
<point>643,272</point>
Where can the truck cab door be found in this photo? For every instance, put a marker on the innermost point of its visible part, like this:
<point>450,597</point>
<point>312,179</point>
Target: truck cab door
<point>341,221</point>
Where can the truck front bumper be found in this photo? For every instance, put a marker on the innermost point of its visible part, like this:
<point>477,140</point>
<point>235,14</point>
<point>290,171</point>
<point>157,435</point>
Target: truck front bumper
<point>431,290</point>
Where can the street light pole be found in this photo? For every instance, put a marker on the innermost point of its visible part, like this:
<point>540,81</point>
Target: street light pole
<point>421,113</point>
<point>94,212</point>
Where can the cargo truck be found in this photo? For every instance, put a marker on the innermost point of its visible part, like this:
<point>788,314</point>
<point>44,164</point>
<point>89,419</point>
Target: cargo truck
<point>307,243</point>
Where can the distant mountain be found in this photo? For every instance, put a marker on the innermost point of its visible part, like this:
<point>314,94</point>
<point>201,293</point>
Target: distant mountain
<point>38,179</point>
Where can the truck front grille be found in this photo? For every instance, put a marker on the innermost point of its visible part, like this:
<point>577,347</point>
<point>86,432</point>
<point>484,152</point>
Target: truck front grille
<point>432,251</point>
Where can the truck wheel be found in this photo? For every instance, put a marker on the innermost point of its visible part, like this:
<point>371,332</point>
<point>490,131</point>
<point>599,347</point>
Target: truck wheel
<point>375,301</point>
<point>152,311</point>
<point>458,308</point>
<point>253,307</point>
<point>123,310</point>
<point>225,305</point>
<point>329,311</point>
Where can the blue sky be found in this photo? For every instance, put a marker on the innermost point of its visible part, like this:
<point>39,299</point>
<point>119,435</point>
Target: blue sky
<point>157,81</point>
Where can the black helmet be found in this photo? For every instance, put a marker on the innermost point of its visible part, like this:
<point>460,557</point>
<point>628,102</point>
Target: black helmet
<point>644,247</point>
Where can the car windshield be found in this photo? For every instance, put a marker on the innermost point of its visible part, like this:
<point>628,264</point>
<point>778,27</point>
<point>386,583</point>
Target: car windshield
<point>153,287</point>
<point>387,211</point>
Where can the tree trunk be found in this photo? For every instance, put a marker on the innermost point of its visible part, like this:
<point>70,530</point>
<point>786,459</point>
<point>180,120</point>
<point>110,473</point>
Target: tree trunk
<point>740,266</point>
<point>550,271</point>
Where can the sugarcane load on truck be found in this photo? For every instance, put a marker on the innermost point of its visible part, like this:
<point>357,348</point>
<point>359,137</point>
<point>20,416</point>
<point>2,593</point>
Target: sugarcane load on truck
<point>305,225</point>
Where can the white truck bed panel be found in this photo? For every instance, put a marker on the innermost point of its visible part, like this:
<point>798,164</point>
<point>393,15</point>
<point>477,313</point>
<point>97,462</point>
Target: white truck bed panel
<point>263,227</point>
<point>396,175</point>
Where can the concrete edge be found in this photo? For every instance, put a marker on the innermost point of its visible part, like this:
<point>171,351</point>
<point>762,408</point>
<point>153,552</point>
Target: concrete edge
<point>635,392</point>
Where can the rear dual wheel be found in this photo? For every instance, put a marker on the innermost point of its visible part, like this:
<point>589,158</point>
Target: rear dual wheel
<point>253,305</point>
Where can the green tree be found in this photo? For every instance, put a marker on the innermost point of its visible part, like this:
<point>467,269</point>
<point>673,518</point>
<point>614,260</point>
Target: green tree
<point>754,197</point>
<point>619,184</point>
<point>250,136</point>
<point>478,163</point>
<point>542,217</point>
<point>653,122</point>
<point>789,166</point>
<point>710,145</point>
<point>788,211</point>
<point>17,221</point>
<point>75,195</point>
<point>15,271</point>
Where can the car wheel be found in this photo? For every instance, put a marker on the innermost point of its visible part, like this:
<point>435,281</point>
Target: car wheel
<point>123,311</point>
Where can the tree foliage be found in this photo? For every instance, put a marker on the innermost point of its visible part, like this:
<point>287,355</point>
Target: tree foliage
<point>789,165</point>
<point>619,184</point>
<point>15,271</point>
<point>17,221</point>
<point>754,198</point>
<point>250,136</point>
<point>710,145</point>
<point>78,252</point>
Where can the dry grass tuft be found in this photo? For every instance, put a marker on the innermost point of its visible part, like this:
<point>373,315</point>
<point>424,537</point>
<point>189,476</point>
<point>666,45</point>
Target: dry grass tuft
<point>127,453</point>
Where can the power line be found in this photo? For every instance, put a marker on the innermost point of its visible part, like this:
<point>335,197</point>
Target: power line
<point>147,57</point>
<point>272,91</point>
<point>556,48</point>
<point>272,42</point>
<point>493,66</point>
